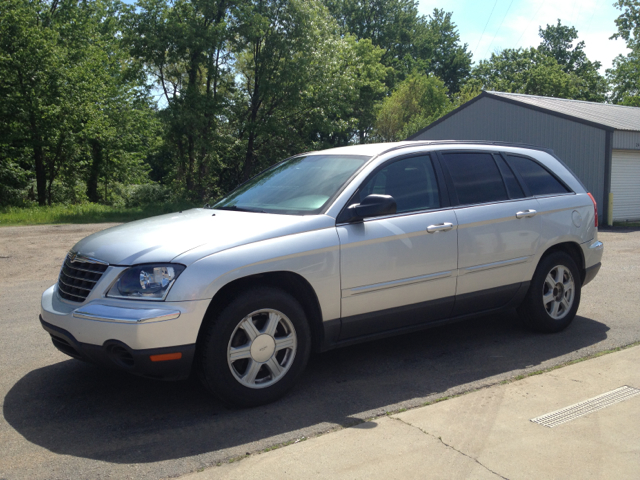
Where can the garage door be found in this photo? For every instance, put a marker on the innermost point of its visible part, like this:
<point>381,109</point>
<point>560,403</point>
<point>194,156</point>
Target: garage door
<point>625,184</point>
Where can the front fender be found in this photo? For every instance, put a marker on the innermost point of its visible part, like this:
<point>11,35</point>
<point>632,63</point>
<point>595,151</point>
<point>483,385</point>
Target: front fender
<point>313,255</point>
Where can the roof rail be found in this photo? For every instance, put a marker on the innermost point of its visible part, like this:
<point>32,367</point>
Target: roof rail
<point>411,143</point>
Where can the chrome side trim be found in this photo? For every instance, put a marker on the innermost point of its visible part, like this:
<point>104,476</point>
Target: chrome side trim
<point>488,266</point>
<point>107,313</point>
<point>395,283</point>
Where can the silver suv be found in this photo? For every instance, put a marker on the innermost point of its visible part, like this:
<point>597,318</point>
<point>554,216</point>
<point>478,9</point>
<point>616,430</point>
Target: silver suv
<point>324,250</point>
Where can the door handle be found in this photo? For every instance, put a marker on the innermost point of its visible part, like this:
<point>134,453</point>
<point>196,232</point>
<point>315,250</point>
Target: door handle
<point>442,227</point>
<point>526,214</point>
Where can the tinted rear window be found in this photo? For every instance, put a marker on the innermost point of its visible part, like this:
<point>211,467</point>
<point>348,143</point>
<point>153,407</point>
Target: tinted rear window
<point>513,187</point>
<point>476,177</point>
<point>536,177</point>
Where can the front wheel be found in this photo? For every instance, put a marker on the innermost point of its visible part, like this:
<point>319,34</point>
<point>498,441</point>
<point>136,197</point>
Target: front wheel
<point>554,294</point>
<point>256,349</point>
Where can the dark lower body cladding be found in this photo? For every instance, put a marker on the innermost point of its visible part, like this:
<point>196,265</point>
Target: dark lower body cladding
<point>591,272</point>
<point>115,354</point>
<point>418,316</point>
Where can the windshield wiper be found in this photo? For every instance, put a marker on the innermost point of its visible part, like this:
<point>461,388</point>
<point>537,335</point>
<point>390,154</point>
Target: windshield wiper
<point>240,209</point>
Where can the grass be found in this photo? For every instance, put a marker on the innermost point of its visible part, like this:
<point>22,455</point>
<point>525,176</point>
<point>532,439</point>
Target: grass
<point>84,213</point>
<point>626,224</point>
<point>570,362</point>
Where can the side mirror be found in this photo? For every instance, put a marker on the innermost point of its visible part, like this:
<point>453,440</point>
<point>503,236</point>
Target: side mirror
<point>372,206</point>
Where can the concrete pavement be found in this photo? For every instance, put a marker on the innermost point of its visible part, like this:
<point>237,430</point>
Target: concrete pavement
<point>484,434</point>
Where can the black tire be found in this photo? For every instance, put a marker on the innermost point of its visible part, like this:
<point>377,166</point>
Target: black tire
<point>223,376</point>
<point>542,317</point>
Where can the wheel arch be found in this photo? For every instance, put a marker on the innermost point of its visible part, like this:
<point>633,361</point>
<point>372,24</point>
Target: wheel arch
<point>573,250</point>
<point>290,282</point>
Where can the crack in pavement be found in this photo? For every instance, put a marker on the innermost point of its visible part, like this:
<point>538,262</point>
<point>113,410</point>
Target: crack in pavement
<point>451,447</point>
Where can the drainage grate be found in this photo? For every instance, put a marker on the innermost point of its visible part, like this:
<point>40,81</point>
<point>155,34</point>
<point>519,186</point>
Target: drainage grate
<point>567,414</point>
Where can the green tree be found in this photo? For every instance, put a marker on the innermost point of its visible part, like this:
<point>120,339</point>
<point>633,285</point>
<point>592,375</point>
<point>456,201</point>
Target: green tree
<point>57,79</point>
<point>412,42</point>
<point>555,69</point>
<point>342,108</point>
<point>449,58</point>
<point>120,126</point>
<point>418,101</point>
<point>247,84</point>
<point>393,25</point>
<point>558,43</point>
<point>32,71</point>
<point>467,93</point>
<point>628,23</point>
<point>184,46</point>
<point>300,83</point>
<point>524,71</point>
<point>625,73</point>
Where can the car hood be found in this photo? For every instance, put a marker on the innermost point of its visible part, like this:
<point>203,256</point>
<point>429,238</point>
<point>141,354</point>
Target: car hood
<point>163,238</point>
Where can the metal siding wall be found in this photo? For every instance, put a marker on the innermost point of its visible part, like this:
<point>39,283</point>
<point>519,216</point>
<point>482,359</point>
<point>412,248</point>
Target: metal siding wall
<point>626,140</point>
<point>580,146</point>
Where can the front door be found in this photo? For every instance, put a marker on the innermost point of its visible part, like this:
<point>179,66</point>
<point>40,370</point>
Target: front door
<point>399,270</point>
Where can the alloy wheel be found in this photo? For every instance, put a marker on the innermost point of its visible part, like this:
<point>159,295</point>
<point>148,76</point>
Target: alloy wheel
<point>558,292</point>
<point>262,348</point>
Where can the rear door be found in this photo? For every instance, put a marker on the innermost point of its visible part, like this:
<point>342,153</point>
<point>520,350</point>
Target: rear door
<point>399,270</point>
<point>498,229</point>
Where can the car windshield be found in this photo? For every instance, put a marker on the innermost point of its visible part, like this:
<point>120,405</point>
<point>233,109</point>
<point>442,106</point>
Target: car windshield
<point>298,186</point>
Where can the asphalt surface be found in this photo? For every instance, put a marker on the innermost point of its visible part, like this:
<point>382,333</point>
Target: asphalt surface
<point>66,419</point>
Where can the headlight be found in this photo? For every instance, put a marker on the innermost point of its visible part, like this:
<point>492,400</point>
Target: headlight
<point>149,282</point>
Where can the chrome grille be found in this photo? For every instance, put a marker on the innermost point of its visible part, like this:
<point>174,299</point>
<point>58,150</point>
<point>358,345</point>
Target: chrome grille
<point>78,276</point>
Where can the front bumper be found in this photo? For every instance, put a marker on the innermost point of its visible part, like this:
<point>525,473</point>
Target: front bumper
<point>126,334</point>
<point>150,363</point>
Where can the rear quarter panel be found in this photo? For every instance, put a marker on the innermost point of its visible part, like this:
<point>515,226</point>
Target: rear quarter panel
<point>564,218</point>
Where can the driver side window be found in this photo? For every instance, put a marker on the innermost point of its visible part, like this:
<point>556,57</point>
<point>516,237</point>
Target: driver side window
<point>410,181</point>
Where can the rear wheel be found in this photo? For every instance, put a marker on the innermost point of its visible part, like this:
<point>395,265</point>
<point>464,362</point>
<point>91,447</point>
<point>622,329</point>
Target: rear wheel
<point>554,294</point>
<point>256,349</point>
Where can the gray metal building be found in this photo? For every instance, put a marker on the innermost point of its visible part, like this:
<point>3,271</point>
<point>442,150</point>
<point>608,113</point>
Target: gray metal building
<point>599,142</point>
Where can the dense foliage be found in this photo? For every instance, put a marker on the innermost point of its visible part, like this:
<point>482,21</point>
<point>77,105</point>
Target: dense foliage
<point>625,74</point>
<point>158,101</point>
<point>556,68</point>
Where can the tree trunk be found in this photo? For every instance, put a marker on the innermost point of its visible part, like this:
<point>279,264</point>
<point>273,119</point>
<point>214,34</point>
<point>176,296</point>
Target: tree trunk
<point>38,157</point>
<point>192,159</point>
<point>247,168</point>
<point>94,172</point>
<point>41,174</point>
